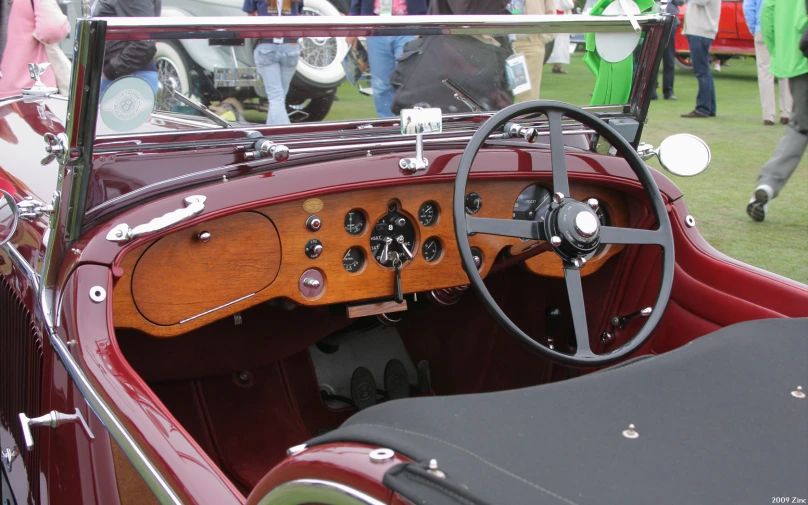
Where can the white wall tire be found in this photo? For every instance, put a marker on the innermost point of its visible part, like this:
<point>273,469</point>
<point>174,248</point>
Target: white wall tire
<point>172,69</point>
<point>320,62</point>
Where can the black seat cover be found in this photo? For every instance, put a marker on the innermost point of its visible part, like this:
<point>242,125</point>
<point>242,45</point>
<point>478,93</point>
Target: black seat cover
<point>716,419</point>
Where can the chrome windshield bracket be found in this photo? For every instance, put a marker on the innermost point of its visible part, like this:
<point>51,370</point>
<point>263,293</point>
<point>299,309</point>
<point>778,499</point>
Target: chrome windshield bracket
<point>418,163</point>
<point>123,233</point>
<point>51,419</point>
<point>30,210</point>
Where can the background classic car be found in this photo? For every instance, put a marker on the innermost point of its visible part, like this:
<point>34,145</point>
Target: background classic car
<point>733,37</point>
<point>179,324</point>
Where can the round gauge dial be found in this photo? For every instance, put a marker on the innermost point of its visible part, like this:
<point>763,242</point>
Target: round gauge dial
<point>355,222</point>
<point>431,249</point>
<point>474,202</point>
<point>393,239</point>
<point>532,203</point>
<point>428,214</point>
<point>353,260</point>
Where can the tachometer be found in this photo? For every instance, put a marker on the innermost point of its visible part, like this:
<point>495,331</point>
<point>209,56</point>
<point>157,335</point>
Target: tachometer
<point>532,203</point>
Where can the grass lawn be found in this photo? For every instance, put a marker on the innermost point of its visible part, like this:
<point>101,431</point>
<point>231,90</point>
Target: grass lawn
<point>717,198</point>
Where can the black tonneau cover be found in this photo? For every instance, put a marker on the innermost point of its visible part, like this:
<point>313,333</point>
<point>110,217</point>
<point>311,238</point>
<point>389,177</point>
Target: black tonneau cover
<point>716,419</point>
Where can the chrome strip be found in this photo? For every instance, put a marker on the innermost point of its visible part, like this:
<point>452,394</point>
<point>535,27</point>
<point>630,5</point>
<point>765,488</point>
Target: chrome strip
<point>145,468</point>
<point>120,28</point>
<point>302,491</point>
<point>217,308</point>
<point>22,264</point>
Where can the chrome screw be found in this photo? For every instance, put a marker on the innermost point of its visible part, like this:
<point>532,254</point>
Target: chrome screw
<point>630,432</point>
<point>579,262</point>
<point>798,393</point>
<point>593,203</point>
<point>555,240</point>
<point>557,197</point>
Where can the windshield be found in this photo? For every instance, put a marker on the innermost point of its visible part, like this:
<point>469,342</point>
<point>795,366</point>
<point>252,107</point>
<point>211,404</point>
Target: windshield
<point>298,68</point>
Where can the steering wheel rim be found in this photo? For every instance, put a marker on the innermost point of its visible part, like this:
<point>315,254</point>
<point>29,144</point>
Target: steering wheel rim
<point>559,222</point>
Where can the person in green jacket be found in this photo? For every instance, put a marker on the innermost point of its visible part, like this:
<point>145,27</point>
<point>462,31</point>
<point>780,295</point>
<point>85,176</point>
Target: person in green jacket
<point>783,23</point>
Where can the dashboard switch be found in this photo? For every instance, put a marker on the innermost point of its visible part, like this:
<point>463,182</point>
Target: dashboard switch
<point>311,283</point>
<point>314,248</point>
<point>314,223</point>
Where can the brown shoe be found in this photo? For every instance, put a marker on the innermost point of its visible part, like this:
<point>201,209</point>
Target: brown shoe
<point>695,113</point>
<point>783,120</point>
<point>766,122</point>
<point>559,70</point>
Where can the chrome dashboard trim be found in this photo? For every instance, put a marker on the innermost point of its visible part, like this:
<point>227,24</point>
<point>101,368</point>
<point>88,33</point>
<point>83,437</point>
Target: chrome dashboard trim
<point>302,491</point>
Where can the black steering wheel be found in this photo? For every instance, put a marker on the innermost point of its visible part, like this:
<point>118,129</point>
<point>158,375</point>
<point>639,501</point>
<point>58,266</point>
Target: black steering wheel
<point>571,227</point>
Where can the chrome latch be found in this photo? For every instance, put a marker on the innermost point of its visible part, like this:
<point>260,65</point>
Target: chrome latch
<point>123,233</point>
<point>35,70</point>
<point>8,456</point>
<point>56,147</point>
<point>29,209</point>
<point>52,420</point>
<point>264,148</point>
<point>418,163</point>
<point>516,130</point>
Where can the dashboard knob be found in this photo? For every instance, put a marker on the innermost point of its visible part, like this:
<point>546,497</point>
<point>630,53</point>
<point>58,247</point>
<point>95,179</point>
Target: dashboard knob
<point>311,283</point>
<point>204,236</point>
<point>314,248</point>
<point>401,222</point>
<point>314,223</point>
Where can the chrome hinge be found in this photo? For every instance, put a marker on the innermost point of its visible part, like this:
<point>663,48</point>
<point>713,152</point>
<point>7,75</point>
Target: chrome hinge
<point>123,233</point>
<point>56,147</point>
<point>52,420</point>
<point>29,209</point>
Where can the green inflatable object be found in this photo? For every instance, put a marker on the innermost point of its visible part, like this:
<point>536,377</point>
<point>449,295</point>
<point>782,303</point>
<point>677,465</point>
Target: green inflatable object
<point>612,80</point>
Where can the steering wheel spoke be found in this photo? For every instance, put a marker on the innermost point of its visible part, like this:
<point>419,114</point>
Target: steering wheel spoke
<point>575,292</point>
<point>615,235</point>
<point>558,154</point>
<point>530,230</point>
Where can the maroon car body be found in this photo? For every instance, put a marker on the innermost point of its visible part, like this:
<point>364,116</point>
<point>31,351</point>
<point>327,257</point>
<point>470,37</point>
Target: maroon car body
<point>173,410</point>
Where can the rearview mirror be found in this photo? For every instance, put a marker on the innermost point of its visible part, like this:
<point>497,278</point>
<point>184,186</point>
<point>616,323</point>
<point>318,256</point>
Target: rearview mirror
<point>8,217</point>
<point>682,154</point>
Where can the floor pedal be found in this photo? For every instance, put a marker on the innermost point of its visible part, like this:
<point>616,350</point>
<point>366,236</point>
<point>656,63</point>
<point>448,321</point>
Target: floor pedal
<point>363,388</point>
<point>396,382</point>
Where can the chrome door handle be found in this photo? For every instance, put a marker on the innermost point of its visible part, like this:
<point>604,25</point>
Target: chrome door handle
<point>123,233</point>
<point>51,419</point>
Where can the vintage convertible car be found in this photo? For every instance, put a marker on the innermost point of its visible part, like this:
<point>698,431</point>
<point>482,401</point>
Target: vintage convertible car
<point>198,311</point>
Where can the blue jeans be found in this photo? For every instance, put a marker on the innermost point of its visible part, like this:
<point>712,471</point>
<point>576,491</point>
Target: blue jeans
<point>382,54</point>
<point>276,63</point>
<point>149,75</point>
<point>700,56</point>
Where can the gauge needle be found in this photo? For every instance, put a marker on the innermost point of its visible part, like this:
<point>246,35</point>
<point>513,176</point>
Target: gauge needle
<point>400,240</point>
<point>387,242</point>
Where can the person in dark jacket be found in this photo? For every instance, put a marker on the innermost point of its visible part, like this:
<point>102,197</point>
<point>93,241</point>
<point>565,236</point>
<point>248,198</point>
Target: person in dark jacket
<point>383,51</point>
<point>124,57</point>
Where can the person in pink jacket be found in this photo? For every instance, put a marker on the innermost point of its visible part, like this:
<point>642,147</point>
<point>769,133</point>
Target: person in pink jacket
<point>25,18</point>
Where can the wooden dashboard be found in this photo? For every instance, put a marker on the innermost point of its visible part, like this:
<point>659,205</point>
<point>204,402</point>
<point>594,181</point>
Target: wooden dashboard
<point>250,257</point>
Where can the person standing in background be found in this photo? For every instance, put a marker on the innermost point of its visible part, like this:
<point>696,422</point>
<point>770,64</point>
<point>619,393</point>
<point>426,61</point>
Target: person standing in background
<point>751,11</point>
<point>561,47</point>
<point>25,30</point>
<point>383,51</point>
<point>701,26</point>
<point>275,59</point>
<point>125,57</point>
<point>784,24</point>
<point>533,45</point>
<point>669,54</point>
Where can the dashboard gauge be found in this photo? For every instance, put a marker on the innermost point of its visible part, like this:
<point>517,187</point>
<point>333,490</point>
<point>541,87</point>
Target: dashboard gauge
<point>355,222</point>
<point>353,260</point>
<point>392,238</point>
<point>428,214</point>
<point>474,203</point>
<point>431,249</point>
<point>532,203</point>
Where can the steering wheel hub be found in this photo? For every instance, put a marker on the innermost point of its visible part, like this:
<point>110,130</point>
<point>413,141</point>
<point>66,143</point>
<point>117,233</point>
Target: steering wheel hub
<point>578,227</point>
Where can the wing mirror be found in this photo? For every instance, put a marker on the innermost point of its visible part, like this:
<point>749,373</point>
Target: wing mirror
<point>682,154</point>
<point>8,217</point>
